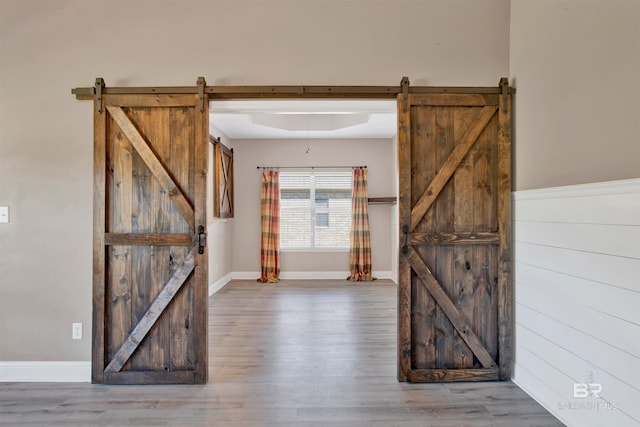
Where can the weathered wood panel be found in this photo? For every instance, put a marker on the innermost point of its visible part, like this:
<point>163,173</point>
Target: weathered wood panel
<point>151,261</point>
<point>455,316</point>
<point>447,238</point>
<point>446,340</point>
<point>449,166</point>
<point>423,313</point>
<point>405,323</point>
<point>141,100</point>
<point>119,208</point>
<point>505,288</point>
<point>456,237</point>
<point>149,239</point>
<point>201,284</point>
<point>151,315</point>
<point>453,375</point>
<point>151,201</point>
<point>180,320</point>
<point>455,99</point>
<point>155,166</point>
<point>99,259</point>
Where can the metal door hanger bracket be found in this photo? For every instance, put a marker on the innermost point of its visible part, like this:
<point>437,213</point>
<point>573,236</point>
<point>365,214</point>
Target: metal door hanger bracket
<point>201,85</point>
<point>504,89</point>
<point>98,91</point>
<point>404,85</point>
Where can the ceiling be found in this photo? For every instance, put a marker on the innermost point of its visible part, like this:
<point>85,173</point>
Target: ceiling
<point>304,119</point>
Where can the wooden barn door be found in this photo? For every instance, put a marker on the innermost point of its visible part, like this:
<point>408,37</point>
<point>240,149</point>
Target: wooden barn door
<point>150,258</point>
<point>454,291</point>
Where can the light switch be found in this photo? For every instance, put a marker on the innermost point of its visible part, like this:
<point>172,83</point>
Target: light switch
<point>4,213</point>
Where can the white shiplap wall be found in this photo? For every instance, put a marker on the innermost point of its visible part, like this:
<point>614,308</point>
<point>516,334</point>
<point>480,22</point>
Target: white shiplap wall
<point>577,276</point>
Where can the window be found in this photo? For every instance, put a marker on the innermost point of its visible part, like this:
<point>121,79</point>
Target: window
<point>315,210</point>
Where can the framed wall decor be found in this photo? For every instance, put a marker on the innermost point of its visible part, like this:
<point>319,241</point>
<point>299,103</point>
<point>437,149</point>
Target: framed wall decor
<point>223,179</point>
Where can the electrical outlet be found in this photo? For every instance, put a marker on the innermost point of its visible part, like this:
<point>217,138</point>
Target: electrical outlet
<point>4,213</point>
<point>76,332</point>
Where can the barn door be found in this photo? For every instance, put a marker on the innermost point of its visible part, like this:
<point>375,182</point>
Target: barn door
<point>454,291</point>
<point>150,258</point>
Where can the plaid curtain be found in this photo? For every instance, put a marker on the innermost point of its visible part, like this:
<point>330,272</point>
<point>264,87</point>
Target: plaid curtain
<point>360,240</point>
<point>270,216</point>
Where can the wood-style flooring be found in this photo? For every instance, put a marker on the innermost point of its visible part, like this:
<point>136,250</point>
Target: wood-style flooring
<point>297,353</point>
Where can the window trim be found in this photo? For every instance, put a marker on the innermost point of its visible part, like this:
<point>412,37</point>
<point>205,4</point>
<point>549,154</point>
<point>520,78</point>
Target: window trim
<point>312,213</point>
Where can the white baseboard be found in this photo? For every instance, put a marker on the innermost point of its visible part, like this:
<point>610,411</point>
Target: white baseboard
<point>72,372</point>
<point>307,275</point>
<point>219,284</point>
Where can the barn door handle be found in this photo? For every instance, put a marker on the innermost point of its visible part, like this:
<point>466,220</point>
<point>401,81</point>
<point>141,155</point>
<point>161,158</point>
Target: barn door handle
<point>202,239</point>
<point>405,230</point>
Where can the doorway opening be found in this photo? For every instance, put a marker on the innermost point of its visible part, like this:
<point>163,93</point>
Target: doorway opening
<point>314,137</point>
<point>317,324</point>
<point>452,143</point>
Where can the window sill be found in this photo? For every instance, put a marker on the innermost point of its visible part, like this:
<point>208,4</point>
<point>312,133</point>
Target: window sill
<point>315,250</point>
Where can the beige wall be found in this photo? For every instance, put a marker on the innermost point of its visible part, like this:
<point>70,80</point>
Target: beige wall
<point>48,47</point>
<point>576,66</point>
<point>377,154</point>
<point>219,231</point>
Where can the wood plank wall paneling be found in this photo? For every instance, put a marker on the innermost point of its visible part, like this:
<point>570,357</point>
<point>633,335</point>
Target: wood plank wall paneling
<point>577,263</point>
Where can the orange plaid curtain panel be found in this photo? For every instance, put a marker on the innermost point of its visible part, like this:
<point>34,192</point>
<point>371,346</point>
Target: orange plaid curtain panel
<point>270,216</point>
<point>360,240</point>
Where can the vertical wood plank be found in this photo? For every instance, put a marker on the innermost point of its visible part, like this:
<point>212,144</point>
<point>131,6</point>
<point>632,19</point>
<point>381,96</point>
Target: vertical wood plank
<point>159,336</point>
<point>120,292</point>
<point>464,268</point>
<point>181,316</point>
<point>485,314</point>
<point>485,310</point>
<point>201,275</point>
<point>464,265</point>
<point>484,185</point>
<point>423,170</point>
<point>444,207</point>
<point>99,205</point>
<point>141,256</point>
<point>151,263</point>
<point>505,289</point>
<point>404,268</point>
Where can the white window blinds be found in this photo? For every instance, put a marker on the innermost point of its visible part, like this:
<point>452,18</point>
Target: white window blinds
<point>315,209</point>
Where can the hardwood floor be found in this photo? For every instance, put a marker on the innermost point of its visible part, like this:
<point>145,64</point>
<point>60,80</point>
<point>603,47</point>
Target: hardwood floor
<point>292,354</point>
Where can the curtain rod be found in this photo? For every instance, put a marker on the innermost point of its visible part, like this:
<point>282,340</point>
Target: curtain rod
<point>311,167</point>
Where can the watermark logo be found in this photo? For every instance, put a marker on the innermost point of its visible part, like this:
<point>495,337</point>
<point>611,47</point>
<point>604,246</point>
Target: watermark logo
<point>586,391</point>
<point>582,390</point>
